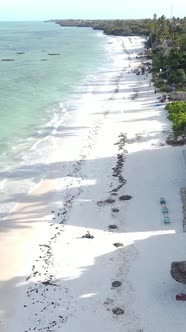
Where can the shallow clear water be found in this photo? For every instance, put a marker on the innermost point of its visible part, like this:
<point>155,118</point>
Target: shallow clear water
<point>38,92</point>
<point>36,85</point>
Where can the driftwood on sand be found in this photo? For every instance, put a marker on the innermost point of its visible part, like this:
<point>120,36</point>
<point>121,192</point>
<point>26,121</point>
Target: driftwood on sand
<point>178,271</point>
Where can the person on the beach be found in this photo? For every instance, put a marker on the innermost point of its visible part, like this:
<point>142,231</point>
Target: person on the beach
<point>87,234</point>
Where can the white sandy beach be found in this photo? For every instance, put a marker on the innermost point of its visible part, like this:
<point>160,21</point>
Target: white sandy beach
<point>53,280</point>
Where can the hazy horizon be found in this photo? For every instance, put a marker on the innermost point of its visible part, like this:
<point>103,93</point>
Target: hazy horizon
<point>42,10</point>
<point>80,18</point>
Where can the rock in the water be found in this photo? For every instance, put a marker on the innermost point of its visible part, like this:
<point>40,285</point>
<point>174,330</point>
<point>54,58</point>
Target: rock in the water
<point>118,244</point>
<point>115,210</point>
<point>125,197</point>
<point>112,227</point>
<point>7,59</point>
<point>118,311</point>
<point>116,283</point>
<point>53,53</point>
<point>178,271</point>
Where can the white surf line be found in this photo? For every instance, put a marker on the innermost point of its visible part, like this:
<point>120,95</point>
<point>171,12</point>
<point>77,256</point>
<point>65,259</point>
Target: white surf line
<point>2,183</point>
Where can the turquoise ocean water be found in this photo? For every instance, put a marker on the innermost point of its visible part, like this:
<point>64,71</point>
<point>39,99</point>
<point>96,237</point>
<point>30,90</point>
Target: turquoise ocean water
<point>36,84</point>
<point>38,90</point>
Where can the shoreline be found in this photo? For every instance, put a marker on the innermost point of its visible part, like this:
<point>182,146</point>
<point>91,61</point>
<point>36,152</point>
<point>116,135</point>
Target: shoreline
<point>115,150</point>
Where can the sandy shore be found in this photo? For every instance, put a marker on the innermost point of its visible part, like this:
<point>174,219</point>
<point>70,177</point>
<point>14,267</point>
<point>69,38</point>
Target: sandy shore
<point>111,166</point>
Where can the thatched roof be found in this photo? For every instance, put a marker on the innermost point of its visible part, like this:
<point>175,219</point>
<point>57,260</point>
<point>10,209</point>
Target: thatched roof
<point>178,271</point>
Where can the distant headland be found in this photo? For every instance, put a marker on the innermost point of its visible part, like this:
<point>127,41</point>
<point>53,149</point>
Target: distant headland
<point>110,27</point>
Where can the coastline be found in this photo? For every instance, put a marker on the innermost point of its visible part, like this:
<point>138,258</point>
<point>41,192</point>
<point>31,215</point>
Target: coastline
<point>80,181</point>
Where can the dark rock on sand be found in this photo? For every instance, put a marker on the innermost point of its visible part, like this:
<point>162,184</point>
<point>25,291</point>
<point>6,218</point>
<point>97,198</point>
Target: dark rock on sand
<point>109,201</point>
<point>178,271</point>
<point>118,311</point>
<point>125,197</point>
<point>118,244</point>
<point>106,201</point>
<point>115,210</point>
<point>116,283</point>
<point>112,227</point>
<point>176,142</point>
<point>181,297</point>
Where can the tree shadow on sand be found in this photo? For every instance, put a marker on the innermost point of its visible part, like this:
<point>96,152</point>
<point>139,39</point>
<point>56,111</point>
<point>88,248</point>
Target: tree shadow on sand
<point>85,291</point>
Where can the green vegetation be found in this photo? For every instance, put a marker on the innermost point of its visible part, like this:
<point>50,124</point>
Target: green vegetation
<point>166,46</point>
<point>167,38</point>
<point>112,27</point>
<point>177,114</point>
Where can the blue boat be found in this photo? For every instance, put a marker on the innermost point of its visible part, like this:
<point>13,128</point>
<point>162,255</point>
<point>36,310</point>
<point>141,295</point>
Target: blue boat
<point>164,209</point>
<point>166,220</point>
<point>162,200</point>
